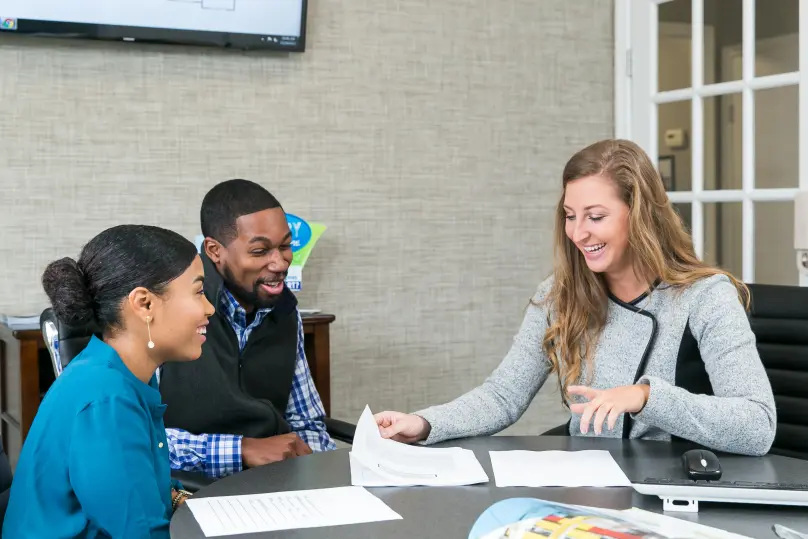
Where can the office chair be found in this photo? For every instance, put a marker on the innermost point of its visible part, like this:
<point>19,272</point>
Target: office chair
<point>561,430</point>
<point>65,342</point>
<point>5,482</point>
<point>779,319</point>
<point>340,430</point>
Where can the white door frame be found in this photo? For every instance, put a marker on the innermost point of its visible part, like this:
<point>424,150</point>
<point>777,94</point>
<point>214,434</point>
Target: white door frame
<point>803,126</point>
<point>636,100</point>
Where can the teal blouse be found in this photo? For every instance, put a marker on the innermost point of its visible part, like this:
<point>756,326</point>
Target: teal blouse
<point>95,462</point>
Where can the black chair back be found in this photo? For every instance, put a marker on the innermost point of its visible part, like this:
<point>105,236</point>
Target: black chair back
<point>63,342</point>
<point>779,319</point>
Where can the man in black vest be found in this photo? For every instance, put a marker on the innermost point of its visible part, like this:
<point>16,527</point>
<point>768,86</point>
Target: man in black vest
<point>250,399</point>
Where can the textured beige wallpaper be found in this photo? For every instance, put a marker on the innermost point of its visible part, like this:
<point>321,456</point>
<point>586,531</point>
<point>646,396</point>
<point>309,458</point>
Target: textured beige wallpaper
<point>428,135</point>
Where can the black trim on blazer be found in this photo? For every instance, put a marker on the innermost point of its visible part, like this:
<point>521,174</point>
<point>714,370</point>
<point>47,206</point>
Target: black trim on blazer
<point>632,306</point>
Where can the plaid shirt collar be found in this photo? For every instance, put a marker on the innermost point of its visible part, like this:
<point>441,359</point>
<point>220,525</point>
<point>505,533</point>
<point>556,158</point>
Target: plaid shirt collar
<point>237,316</point>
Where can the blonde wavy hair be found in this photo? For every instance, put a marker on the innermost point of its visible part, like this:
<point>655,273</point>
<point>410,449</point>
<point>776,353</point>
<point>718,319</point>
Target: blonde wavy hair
<point>659,245</point>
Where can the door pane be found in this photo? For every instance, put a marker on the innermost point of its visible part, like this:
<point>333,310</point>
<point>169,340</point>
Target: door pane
<point>674,145</point>
<point>776,36</point>
<point>674,45</point>
<point>777,137</point>
<point>722,236</point>
<point>723,33</point>
<point>775,258</point>
<point>722,142</point>
<point>685,211</point>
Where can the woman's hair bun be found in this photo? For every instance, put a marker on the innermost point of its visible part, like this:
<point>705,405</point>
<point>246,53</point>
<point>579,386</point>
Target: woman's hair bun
<point>66,287</point>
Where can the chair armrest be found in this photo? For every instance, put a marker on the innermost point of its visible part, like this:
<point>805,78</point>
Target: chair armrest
<point>192,481</point>
<point>340,430</point>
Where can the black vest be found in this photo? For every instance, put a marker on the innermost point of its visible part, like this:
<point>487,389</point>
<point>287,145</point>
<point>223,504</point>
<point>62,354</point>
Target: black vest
<point>228,392</point>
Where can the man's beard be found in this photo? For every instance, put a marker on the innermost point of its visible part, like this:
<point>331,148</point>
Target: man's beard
<point>249,297</point>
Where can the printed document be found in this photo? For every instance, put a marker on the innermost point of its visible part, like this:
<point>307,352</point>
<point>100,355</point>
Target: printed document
<point>557,469</point>
<point>530,518</point>
<point>256,513</point>
<point>379,462</point>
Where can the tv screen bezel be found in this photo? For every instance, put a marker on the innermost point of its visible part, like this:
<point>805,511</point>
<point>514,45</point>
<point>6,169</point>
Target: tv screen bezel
<point>166,36</point>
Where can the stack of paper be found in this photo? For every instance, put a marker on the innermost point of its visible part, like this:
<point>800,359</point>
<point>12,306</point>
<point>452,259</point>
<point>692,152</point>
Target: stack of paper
<point>557,469</point>
<point>19,323</point>
<point>257,513</point>
<point>379,462</point>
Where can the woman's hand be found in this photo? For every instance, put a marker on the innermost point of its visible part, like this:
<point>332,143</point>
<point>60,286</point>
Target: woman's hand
<point>609,403</point>
<point>405,428</point>
<point>178,498</point>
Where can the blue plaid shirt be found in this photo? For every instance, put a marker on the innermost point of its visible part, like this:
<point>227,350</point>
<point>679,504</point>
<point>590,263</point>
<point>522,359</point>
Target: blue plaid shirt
<point>218,455</point>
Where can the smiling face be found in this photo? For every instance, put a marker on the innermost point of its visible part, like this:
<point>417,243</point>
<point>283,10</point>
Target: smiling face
<point>597,223</point>
<point>254,265</point>
<point>181,316</point>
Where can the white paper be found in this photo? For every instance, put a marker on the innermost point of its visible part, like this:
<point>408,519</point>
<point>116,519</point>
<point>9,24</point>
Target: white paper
<point>557,469</point>
<point>256,513</point>
<point>379,462</point>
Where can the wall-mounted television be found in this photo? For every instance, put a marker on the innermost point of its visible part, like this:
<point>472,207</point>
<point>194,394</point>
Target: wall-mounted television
<point>239,24</point>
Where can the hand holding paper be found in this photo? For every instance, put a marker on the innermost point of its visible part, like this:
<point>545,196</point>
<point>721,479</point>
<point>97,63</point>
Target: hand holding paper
<point>380,462</point>
<point>404,428</point>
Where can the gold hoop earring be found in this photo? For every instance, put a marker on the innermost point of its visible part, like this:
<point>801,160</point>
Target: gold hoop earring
<point>148,328</point>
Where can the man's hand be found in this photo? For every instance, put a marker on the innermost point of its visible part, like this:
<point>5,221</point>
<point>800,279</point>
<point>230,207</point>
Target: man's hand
<point>259,451</point>
<point>608,404</point>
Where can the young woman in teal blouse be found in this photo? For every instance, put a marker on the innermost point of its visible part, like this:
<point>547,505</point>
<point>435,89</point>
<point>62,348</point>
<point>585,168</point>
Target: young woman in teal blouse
<point>95,462</point>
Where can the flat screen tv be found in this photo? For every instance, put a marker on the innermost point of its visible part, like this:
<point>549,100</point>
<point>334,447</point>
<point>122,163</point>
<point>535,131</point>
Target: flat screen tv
<point>239,24</point>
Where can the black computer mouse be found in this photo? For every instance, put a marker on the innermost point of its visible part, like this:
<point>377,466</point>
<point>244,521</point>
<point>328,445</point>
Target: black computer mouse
<point>701,465</point>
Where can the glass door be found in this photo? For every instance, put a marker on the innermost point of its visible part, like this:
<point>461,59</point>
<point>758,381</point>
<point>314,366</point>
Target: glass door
<point>714,90</point>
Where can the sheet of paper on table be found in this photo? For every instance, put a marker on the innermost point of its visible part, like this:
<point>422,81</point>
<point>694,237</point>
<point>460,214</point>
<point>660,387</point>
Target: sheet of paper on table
<point>379,462</point>
<point>557,469</point>
<point>257,513</point>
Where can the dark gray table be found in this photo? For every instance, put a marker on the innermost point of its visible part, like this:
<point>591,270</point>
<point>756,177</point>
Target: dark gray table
<point>426,510</point>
